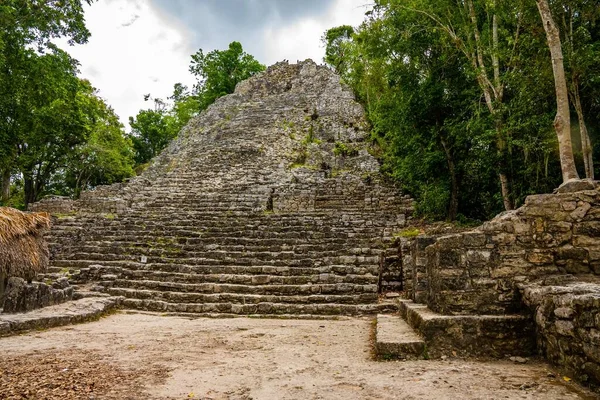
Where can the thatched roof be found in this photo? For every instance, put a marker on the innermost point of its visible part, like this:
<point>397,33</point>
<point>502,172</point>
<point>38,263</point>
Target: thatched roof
<point>23,251</point>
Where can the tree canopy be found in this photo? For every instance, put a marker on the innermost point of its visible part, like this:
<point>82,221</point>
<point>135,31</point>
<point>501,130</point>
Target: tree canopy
<point>58,136</point>
<point>217,74</point>
<point>219,71</point>
<point>461,97</point>
<point>49,118</point>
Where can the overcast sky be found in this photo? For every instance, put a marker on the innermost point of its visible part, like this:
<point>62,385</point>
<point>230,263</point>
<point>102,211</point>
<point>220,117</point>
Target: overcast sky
<point>144,46</point>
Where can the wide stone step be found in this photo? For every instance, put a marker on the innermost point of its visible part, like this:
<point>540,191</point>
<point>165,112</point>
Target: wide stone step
<point>205,235</point>
<point>222,226</point>
<point>166,219</point>
<point>213,250</point>
<point>239,277</point>
<point>239,298</point>
<point>265,289</point>
<point>470,335</point>
<point>119,266</point>
<point>370,262</point>
<point>396,339</point>
<point>231,244</point>
<point>256,309</point>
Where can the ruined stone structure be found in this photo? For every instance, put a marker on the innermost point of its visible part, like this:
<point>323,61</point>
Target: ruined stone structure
<point>21,296</point>
<point>528,275</point>
<point>267,203</point>
<point>270,203</point>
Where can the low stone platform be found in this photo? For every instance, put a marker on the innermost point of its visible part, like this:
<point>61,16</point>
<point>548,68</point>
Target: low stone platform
<point>396,339</point>
<point>567,318</point>
<point>493,336</point>
<point>72,312</point>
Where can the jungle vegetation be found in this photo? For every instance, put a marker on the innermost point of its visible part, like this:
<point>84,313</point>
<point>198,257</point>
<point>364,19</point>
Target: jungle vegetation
<point>474,103</point>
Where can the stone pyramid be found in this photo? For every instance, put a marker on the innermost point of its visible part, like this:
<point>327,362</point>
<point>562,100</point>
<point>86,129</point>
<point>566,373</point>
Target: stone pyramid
<point>268,202</point>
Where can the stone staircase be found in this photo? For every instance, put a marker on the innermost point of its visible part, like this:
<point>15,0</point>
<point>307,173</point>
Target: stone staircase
<point>220,263</point>
<point>249,211</point>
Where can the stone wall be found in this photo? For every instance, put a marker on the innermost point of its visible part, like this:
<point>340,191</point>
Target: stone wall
<point>477,272</point>
<point>390,272</point>
<point>21,296</point>
<point>101,200</point>
<point>567,318</point>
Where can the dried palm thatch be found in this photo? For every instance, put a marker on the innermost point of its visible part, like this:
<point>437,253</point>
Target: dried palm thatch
<point>23,251</point>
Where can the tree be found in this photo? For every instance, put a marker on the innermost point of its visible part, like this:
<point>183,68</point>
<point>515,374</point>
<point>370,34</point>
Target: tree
<point>219,71</point>
<point>153,129</point>
<point>478,39</point>
<point>562,121</point>
<point>185,106</point>
<point>26,28</point>
<point>107,156</point>
<point>337,45</point>
<point>449,113</point>
<point>578,20</point>
<point>50,119</point>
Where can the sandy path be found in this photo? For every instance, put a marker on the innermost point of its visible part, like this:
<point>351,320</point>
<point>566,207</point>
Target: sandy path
<point>177,358</point>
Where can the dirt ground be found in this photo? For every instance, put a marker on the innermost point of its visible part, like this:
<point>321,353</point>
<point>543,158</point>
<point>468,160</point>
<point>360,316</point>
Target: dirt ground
<point>139,356</point>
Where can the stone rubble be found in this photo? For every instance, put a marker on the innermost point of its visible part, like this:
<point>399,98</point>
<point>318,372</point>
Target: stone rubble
<point>69,313</point>
<point>21,296</point>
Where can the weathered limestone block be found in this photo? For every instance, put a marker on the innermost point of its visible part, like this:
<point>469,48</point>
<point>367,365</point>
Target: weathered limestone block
<point>419,275</point>
<point>21,296</point>
<point>567,312</point>
<point>551,234</point>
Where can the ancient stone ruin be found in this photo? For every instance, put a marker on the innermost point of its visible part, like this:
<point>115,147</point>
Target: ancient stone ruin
<point>527,281</point>
<point>270,203</point>
<point>267,203</point>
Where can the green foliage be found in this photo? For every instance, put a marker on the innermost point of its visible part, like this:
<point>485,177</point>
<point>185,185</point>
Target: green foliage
<point>153,129</point>
<point>56,135</point>
<point>219,71</point>
<point>150,133</point>
<point>337,46</point>
<point>106,157</point>
<point>310,137</point>
<point>411,64</point>
<point>344,150</point>
<point>409,232</point>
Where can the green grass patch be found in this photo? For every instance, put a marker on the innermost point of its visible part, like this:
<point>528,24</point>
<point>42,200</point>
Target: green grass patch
<point>409,232</point>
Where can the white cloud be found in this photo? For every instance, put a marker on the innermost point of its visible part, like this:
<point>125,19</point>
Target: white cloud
<point>132,51</point>
<point>137,48</point>
<point>302,39</point>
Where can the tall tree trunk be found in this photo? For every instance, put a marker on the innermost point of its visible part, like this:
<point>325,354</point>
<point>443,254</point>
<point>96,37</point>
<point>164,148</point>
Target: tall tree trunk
<point>29,190</point>
<point>493,94</point>
<point>586,145</point>
<point>562,121</point>
<point>453,206</point>
<point>5,186</point>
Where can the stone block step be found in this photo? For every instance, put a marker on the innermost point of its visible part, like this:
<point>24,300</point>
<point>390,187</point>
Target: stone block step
<point>310,276</point>
<point>371,263</point>
<point>491,336</point>
<point>253,309</point>
<point>287,251</point>
<point>195,236</point>
<point>396,339</point>
<point>268,289</point>
<point>293,297</point>
<point>136,268</point>
<point>72,312</point>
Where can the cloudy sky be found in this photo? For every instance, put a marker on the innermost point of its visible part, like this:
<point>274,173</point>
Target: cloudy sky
<point>144,46</point>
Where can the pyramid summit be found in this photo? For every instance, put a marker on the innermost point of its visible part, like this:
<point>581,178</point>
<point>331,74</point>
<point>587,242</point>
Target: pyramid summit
<point>268,202</point>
